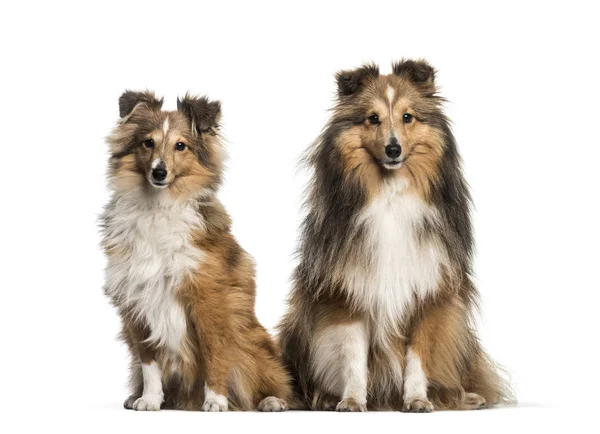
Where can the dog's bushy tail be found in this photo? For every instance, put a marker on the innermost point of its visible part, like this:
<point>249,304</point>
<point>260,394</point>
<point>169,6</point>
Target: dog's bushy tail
<point>484,379</point>
<point>491,381</point>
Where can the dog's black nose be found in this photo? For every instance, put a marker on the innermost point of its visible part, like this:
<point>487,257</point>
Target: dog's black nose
<point>393,149</point>
<point>159,174</point>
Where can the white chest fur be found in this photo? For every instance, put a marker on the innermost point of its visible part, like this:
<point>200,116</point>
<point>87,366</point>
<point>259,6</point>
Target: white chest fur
<point>400,266</point>
<point>156,238</point>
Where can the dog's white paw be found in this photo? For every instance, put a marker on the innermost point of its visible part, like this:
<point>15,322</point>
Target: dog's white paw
<point>148,403</point>
<point>271,403</point>
<point>418,405</point>
<point>215,403</point>
<point>351,404</point>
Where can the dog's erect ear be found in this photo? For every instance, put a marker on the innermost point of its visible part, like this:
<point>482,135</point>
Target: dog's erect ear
<point>350,81</point>
<point>419,72</point>
<point>130,99</point>
<point>203,113</point>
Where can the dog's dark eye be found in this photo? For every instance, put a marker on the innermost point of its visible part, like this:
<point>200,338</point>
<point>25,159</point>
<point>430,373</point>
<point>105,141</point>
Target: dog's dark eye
<point>374,120</point>
<point>180,146</point>
<point>149,143</point>
<point>407,118</point>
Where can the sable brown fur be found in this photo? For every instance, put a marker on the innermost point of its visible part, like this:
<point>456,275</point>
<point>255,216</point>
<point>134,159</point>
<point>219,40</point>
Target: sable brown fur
<point>206,284</point>
<point>351,182</point>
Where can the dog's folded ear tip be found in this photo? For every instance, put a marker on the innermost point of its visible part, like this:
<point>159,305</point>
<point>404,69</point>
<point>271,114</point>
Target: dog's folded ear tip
<point>203,112</point>
<point>418,71</point>
<point>350,81</point>
<point>129,100</point>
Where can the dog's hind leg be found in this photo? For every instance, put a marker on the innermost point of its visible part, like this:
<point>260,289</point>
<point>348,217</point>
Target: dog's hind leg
<point>444,353</point>
<point>437,354</point>
<point>259,381</point>
<point>472,401</point>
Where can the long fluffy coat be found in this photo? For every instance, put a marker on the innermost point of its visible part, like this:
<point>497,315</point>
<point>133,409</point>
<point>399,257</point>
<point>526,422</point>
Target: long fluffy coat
<point>181,283</point>
<point>380,314</point>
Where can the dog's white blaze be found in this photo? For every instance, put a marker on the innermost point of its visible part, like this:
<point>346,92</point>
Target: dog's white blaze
<point>390,96</point>
<point>339,360</point>
<point>214,401</point>
<point>415,382</point>
<point>166,127</point>
<point>165,132</point>
<point>397,266</point>
<point>155,163</point>
<point>155,236</point>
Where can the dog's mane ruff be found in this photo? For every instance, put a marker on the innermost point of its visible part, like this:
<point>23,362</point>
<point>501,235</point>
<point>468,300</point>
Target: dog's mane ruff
<point>331,195</point>
<point>452,199</point>
<point>140,285</point>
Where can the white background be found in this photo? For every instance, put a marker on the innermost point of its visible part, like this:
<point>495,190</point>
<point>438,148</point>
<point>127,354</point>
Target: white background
<point>522,81</point>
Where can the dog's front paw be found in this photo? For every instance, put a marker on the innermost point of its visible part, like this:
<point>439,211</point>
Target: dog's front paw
<point>215,403</point>
<point>271,403</point>
<point>148,403</point>
<point>418,405</point>
<point>351,404</point>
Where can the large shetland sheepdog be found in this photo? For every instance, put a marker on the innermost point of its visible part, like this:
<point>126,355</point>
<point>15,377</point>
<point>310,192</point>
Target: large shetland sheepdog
<point>183,286</point>
<point>380,311</point>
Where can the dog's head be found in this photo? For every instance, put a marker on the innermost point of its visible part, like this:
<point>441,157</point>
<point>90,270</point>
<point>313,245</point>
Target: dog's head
<point>178,151</point>
<point>393,119</point>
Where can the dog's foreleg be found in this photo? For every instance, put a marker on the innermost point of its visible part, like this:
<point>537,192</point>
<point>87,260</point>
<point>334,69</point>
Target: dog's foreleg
<point>152,395</point>
<point>340,363</point>
<point>415,385</point>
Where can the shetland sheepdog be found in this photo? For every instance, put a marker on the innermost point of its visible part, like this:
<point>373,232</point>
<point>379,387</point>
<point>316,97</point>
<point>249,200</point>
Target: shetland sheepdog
<point>380,314</point>
<point>182,285</point>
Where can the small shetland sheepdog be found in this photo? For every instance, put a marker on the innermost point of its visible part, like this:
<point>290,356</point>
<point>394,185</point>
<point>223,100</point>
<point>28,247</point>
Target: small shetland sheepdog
<point>182,285</point>
<point>380,314</point>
